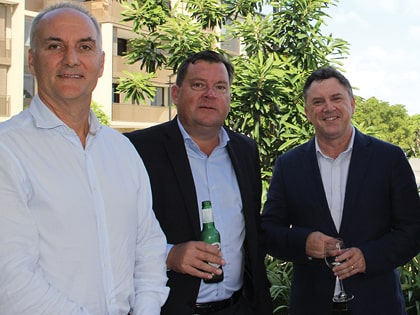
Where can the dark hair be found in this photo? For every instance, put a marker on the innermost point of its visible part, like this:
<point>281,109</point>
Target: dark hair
<point>326,73</point>
<point>206,55</point>
<point>64,5</point>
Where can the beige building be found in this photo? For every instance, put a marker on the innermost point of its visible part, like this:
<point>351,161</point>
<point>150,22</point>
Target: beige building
<point>17,85</point>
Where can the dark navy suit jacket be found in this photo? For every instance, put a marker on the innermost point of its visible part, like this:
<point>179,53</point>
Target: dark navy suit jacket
<point>175,204</point>
<point>381,216</point>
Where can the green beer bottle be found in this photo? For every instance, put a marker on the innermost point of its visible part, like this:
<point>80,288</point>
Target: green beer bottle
<point>210,235</point>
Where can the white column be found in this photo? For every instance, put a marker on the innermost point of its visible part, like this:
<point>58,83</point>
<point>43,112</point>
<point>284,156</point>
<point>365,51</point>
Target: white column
<point>103,91</point>
<point>15,73</point>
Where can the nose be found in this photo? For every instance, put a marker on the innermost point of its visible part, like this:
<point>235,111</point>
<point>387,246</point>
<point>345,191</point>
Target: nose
<point>210,92</point>
<point>71,57</point>
<point>329,106</point>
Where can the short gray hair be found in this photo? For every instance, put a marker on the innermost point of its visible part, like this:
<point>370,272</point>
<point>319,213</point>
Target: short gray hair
<point>64,5</point>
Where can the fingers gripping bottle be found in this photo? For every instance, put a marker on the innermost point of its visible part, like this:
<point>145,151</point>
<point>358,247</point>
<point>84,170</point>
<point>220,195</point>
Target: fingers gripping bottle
<point>210,235</point>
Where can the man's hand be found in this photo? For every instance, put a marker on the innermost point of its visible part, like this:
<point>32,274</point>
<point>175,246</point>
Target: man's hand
<point>353,262</point>
<point>315,244</point>
<point>192,258</point>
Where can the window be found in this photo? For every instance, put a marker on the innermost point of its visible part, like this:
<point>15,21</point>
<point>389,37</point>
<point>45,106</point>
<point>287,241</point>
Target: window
<point>121,46</point>
<point>115,94</point>
<point>158,100</point>
<point>28,89</point>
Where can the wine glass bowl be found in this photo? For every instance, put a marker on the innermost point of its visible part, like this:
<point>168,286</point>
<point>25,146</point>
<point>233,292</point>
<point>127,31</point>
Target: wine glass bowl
<point>332,249</point>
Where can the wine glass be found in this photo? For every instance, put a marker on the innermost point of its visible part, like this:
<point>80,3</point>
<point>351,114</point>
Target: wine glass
<point>332,249</point>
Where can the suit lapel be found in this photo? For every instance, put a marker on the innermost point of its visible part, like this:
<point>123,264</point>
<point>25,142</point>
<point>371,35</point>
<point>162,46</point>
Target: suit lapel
<point>234,150</point>
<point>357,169</point>
<point>174,145</point>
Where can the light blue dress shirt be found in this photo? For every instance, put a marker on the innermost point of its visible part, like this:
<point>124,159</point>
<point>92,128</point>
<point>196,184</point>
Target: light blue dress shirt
<point>215,180</point>
<point>77,232</point>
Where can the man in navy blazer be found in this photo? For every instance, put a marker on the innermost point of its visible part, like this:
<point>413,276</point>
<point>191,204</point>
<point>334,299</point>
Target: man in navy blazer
<point>174,153</point>
<point>342,184</point>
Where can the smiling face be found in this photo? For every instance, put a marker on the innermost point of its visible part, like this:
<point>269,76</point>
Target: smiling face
<point>329,107</point>
<point>66,58</point>
<point>203,99</point>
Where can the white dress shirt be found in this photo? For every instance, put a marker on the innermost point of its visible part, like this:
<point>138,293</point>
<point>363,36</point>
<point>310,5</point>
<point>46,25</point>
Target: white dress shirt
<point>334,173</point>
<point>77,230</point>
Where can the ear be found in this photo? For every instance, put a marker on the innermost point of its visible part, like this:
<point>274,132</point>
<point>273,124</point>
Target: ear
<point>102,62</point>
<point>174,93</point>
<point>307,113</point>
<point>31,62</point>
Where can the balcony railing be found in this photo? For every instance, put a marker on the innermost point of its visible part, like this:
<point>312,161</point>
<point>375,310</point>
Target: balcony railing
<point>142,113</point>
<point>4,105</point>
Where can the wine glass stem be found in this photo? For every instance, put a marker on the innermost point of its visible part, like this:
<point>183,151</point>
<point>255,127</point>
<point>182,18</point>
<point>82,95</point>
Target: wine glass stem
<point>343,294</point>
<point>341,286</point>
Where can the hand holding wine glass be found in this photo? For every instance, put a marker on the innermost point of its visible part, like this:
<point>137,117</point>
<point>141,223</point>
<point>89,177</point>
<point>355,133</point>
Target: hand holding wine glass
<point>332,249</point>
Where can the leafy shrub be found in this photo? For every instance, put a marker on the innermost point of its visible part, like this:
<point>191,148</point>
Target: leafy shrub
<point>102,117</point>
<point>410,283</point>
<point>279,274</point>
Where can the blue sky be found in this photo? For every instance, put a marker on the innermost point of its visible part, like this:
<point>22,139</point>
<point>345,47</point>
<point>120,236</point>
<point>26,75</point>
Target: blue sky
<point>384,37</point>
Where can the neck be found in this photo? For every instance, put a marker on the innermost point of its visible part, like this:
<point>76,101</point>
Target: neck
<point>207,138</point>
<point>74,115</point>
<point>206,144</point>
<point>334,147</point>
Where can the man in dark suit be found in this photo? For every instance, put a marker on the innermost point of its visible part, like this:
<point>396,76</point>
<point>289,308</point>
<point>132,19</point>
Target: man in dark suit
<point>194,158</point>
<point>342,184</point>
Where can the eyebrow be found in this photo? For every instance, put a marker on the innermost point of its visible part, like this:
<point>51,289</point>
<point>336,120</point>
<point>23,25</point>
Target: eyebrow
<point>205,80</point>
<point>315,99</point>
<point>81,40</point>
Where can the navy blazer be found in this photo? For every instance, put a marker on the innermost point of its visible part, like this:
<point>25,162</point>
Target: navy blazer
<point>175,203</point>
<point>381,216</point>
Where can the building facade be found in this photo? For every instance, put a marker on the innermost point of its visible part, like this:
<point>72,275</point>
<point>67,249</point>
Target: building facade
<point>17,85</point>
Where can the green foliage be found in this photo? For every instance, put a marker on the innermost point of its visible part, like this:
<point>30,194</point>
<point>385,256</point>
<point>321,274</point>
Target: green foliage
<point>390,123</point>
<point>295,32</point>
<point>256,32</point>
<point>415,145</point>
<point>144,49</point>
<point>279,273</point>
<point>181,36</point>
<point>264,105</point>
<point>102,117</point>
<point>171,35</point>
<point>208,13</point>
<point>241,8</point>
<point>137,86</point>
<point>410,283</point>
<point>146,14</point>
<point>280,50</point>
